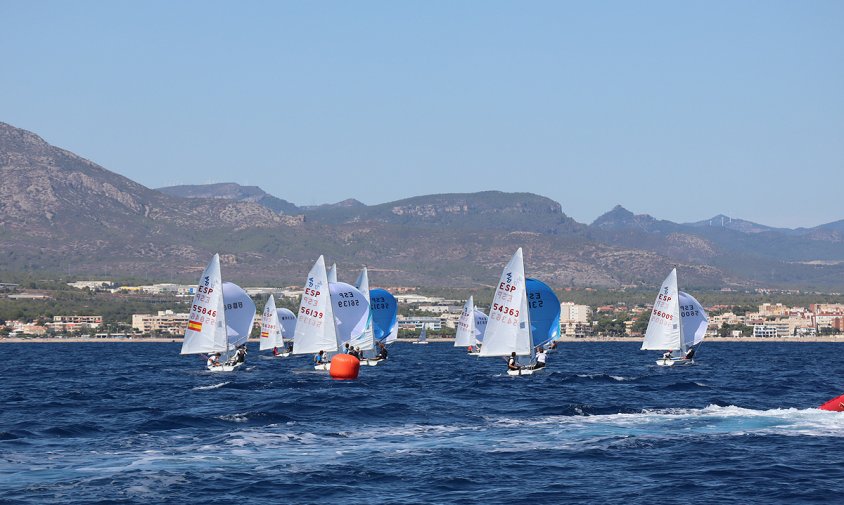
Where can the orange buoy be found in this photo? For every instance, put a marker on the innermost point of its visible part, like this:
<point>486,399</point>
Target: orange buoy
<point>836,404</point>
<point>344,366</point>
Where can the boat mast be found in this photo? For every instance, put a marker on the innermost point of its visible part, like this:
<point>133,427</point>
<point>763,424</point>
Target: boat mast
<point>680,320</point>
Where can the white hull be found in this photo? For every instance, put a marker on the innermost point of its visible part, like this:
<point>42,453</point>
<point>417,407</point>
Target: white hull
<point>281,355</point>
<point>324,366</point>
<point>224,368</point>
<point>674,361</point>
<point>477,353</point>
<point>370,362</point>
<point>420,343</point>
<point>524,371</point>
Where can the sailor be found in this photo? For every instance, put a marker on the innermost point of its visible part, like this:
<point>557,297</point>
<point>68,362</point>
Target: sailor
<point>213,360</point>
<point>540,358</point>
<point>240,355</point>
<point>667,355</point>
<point>511,363</point>
<point>319,358</point>
<point>275,351</point>
<point>348,349</point>
<point>290,347</point>
<point>690,353</point>
<point>382,351</point>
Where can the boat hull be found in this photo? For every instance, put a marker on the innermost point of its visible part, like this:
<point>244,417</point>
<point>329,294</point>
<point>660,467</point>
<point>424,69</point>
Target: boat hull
<point>524,371</point>
<point>370,362</point>
<point>420,343</point>
<point>224,368</point>
<point>323,366</point>
<point>674,361</point>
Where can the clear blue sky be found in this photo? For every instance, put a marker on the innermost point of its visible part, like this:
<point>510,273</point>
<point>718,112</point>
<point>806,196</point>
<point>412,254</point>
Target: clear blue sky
<point>677,109</point>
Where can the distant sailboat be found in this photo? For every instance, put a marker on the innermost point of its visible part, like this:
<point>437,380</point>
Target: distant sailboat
<point>677,322</point>
<point>470,327</point>
<point>423,335</point>
<point>239,310</point>
<point>275,323</point>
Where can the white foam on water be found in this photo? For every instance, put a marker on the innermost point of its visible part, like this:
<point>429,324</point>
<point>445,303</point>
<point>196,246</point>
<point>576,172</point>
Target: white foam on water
<point>213,386</point>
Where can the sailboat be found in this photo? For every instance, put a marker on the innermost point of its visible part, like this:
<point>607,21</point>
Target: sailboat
<point>330,315</point>
<point>470,327</point>
<point>315,330</point>
<point>423,335</point>
<point>275,323</point>
<point>677,322</point>
<point>508,329</point>
<point>217,322</point>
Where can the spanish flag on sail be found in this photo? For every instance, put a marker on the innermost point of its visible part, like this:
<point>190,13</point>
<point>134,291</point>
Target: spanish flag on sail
<point>265,334</point>
<point>195,325</point>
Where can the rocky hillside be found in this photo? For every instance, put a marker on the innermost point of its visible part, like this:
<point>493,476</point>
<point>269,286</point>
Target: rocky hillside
<point>63,215</point>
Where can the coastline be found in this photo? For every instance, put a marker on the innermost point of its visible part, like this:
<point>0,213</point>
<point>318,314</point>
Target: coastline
<point>78,340</point>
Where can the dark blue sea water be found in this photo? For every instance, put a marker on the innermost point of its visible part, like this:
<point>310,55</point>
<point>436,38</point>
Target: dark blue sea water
<point>137,423</point>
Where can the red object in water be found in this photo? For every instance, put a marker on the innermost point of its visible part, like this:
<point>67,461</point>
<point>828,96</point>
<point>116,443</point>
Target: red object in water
<point>344,366</point>
<point>836,404</point>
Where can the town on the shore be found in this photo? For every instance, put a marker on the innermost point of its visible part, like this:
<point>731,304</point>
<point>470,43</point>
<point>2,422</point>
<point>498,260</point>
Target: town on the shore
<point>440,315</point>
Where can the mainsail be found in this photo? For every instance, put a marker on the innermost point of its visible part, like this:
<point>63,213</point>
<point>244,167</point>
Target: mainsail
<point>271,332</point>
<point>664,330</point>
<point>315,329</point>
<point>465,335</point>
<point>288,323</point>
<point>508,328</point>
<point>367,340</point>
<point>207,321</point>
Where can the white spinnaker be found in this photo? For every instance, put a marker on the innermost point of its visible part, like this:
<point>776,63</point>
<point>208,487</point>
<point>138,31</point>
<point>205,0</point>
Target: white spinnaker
<point>240,314</point>
<point>508,327</point>
<point>207,321</point>
<point>315,329</point>
<point>351,314</point>
<point>694,319</point>
<point>287,319</point>
<point>480,326</point>
<point>465,335</point>
<point>332,273</point>
<point>367,341</point>
<point>270,327</point>
<point>663,331</point>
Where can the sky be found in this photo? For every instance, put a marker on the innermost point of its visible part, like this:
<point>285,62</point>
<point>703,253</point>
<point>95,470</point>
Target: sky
<point>681,110</point>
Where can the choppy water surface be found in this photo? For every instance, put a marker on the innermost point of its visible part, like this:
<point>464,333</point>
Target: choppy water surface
<point>137,423</point>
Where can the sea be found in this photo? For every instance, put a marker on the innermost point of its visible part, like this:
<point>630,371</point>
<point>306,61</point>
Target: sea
<point>117,423</point>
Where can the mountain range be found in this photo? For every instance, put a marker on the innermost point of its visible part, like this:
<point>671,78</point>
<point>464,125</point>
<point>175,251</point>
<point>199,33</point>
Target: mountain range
<point>62,214</point>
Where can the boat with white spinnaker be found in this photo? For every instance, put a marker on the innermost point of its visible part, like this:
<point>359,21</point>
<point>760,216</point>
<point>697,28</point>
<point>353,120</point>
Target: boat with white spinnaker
<point>677,322</point>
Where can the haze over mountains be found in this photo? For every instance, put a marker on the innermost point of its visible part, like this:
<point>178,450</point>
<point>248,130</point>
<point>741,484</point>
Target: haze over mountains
<point>62,214</point>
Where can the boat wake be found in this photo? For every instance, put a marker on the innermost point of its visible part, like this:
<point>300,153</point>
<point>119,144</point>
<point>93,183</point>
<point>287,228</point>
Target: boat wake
<point>212,386</point>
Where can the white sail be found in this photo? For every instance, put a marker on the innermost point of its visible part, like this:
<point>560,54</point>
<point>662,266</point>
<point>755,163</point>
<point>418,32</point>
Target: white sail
<point>694,319</point>
<point>480,326</point>
<point>315,329</point>
<point>367,340</point>
<point>332,273</point>
<point>664,331</point>
<point>351,314</point>
<point>207,321</point>
<point>423,335</point>
<point>508,327</point>
<point>287,319</point>
<point>270,327</point>
<point>240,314</point>
<point>466,325</point>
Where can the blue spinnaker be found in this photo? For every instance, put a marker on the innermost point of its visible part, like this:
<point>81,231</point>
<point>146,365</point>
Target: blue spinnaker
<point>544,309</point>
<point>385,311</point>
